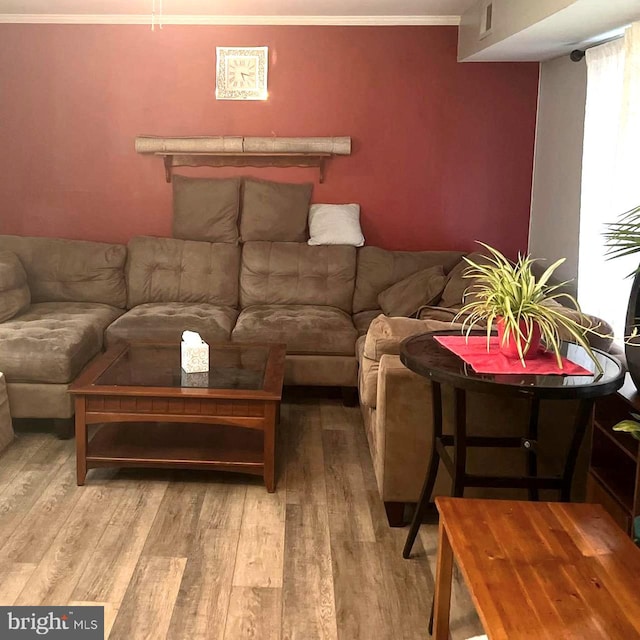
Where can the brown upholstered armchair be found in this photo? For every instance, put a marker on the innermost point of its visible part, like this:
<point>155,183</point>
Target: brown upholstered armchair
<point>396,405</point>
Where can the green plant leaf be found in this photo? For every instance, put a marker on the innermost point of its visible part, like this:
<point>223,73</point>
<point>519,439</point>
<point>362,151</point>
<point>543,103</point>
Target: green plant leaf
<point>511,292</point>
<point>629,426</point>
<point>622,238</point>
<point>542,281</point>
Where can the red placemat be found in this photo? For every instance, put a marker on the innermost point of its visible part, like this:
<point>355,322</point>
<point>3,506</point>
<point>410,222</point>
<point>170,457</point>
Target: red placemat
<point>473,350</point>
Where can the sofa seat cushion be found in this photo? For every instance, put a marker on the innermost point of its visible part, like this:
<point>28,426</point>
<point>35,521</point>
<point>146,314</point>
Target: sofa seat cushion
<point>53,341</point>
<point>305,329</point>
<point>165,322</point>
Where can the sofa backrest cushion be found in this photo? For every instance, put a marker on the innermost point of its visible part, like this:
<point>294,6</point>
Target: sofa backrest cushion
<point>206,209</point>
<point>404,298</point>
<point>274,211</point>
<point>378,269</point>
<point>71,270</point>
<point>14,290</point>
<point>296,273</point>
<point>459,289</point>
<point>172,270</point>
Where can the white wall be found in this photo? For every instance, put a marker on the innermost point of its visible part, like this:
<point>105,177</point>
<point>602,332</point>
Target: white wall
<point>557,174</point>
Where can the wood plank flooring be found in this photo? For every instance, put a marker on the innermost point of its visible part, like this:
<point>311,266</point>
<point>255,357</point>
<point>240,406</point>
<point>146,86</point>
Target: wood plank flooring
<point>190,555</point>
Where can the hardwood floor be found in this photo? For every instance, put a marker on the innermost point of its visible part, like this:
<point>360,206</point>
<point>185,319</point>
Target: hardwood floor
<point>190,555</point>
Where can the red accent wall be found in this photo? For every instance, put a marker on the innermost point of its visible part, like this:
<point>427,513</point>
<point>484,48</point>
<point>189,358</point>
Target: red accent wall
<point>442,151</point>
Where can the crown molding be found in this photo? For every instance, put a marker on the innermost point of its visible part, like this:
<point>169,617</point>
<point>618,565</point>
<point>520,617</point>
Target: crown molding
<point>145,19</point>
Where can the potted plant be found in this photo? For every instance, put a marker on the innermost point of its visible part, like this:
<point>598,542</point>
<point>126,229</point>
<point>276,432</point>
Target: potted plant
<point>525,310</point>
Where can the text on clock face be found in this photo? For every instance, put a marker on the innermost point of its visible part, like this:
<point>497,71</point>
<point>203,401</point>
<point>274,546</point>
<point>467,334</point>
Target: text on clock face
<point>242,72</point>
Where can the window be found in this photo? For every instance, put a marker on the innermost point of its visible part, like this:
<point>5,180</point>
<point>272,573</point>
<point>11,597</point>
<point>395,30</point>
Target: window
<point>610,173</point>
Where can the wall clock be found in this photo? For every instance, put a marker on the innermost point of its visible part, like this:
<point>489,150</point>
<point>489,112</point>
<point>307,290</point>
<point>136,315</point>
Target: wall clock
<point>241,73</point>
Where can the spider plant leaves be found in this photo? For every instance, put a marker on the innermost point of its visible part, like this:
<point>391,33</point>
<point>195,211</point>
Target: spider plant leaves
<point>510,291</point>
<point>622,238</point>
<point>542,280</point>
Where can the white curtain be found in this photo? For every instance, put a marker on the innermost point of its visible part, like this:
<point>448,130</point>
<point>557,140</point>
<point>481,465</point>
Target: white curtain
<point>610,173</point>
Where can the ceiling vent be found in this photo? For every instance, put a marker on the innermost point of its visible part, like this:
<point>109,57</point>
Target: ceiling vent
<point>486,20</point>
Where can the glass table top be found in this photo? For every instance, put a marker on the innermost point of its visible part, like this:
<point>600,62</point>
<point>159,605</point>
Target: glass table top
<point>426,356</point>
<point>230,367</point>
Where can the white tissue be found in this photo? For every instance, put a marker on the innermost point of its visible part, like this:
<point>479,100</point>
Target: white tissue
<point>192,337</point>
<point>194,353</point>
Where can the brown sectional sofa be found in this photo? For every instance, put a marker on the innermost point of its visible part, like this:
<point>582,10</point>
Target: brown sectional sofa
<point>321,301</point>
<point>86,295</point>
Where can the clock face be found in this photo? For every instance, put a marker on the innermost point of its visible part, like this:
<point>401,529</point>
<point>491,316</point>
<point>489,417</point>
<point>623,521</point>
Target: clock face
<point>241,73</point>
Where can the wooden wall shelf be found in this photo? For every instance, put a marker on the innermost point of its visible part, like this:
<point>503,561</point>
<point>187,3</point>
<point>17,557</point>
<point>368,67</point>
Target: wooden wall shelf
<point>172,160</point>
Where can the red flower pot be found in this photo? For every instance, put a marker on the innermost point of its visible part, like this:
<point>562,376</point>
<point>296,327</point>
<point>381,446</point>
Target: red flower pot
<point>509,348</point>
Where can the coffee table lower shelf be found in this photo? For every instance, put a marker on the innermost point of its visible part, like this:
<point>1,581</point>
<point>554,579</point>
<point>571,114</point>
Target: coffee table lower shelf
<point>177,445</point>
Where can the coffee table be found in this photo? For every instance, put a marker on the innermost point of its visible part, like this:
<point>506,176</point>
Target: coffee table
<point>538,570</point>
<point>152,414</point>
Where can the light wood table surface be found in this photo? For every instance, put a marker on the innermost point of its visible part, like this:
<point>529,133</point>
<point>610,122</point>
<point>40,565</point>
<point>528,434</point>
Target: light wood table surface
<point>539,570</point>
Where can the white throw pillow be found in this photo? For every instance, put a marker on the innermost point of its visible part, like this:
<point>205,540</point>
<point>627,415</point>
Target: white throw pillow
<point>335,224</point>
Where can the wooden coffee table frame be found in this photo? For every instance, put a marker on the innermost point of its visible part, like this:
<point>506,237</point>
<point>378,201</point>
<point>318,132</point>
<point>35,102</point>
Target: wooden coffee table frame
<point>235,411</point>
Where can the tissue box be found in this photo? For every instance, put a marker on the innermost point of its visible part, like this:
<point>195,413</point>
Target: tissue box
<point>195,357</point>
<point>194,380</point>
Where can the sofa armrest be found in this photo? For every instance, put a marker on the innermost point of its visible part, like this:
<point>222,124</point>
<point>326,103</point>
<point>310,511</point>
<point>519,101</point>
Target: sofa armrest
<point>429,312</point>
<point>385,335</point>
<point>403,432</point>
<point>602,339</point>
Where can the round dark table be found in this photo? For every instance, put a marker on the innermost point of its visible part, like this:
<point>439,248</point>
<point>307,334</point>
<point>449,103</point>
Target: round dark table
<point>427,357</point>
